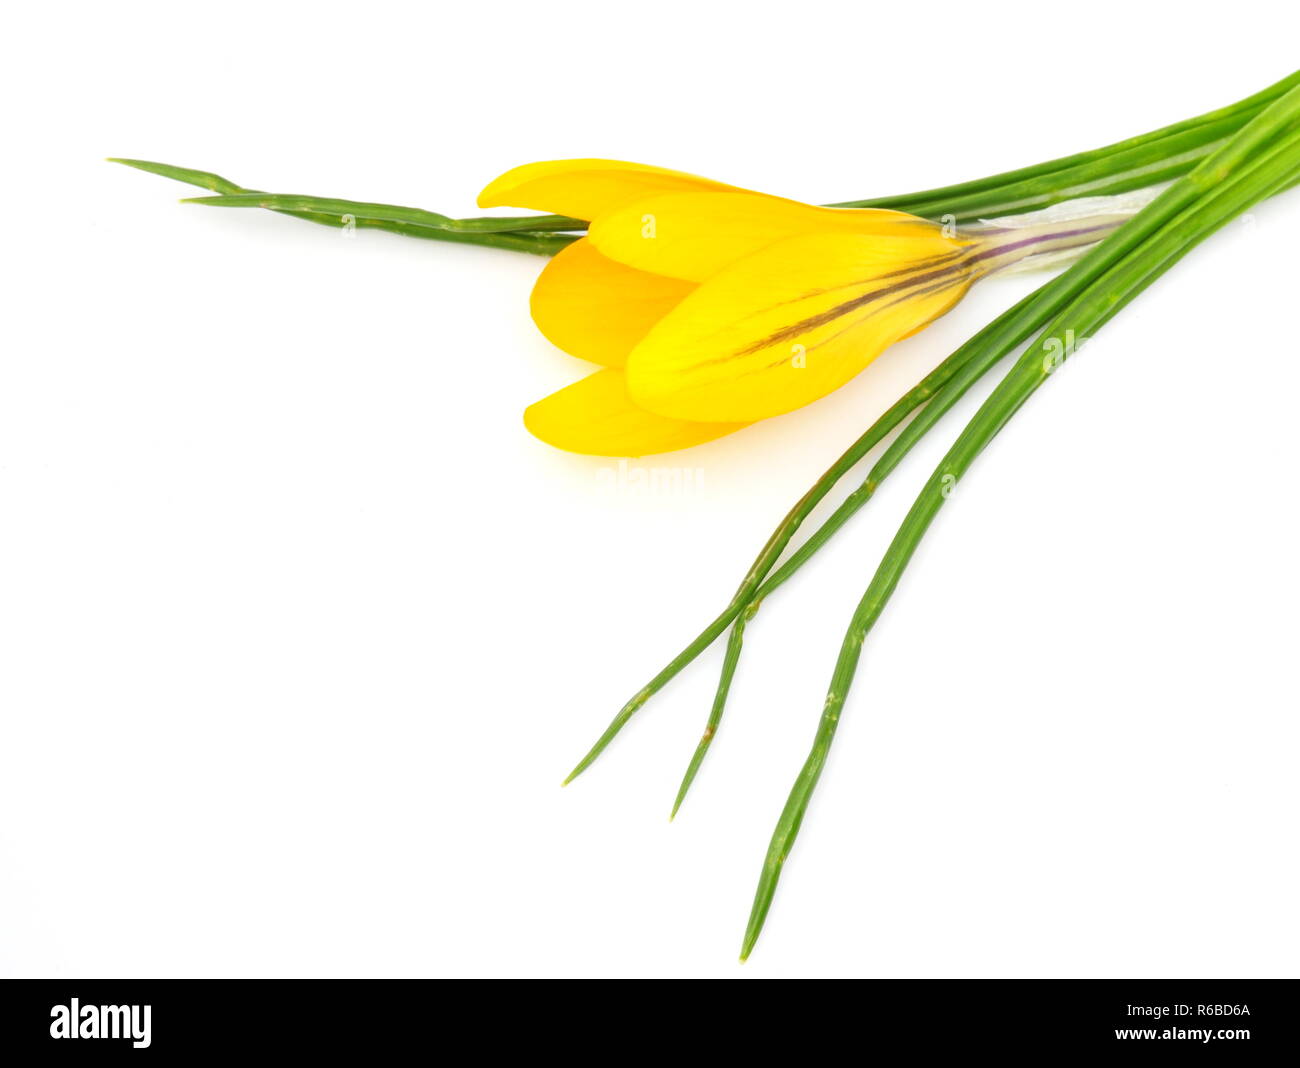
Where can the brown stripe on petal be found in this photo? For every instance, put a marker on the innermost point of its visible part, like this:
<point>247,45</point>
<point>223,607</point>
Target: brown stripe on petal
<point>952,273</point>
<point>919,265</point>
<point>937,287</point>
<point>948,266</point>
<point>928,291</point>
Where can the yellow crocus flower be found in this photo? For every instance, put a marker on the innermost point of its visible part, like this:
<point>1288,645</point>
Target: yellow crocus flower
<point>712,307</point>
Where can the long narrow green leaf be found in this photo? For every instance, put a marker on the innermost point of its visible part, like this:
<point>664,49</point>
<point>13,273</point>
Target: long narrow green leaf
<point>538,244</point>
<point>359,209</point>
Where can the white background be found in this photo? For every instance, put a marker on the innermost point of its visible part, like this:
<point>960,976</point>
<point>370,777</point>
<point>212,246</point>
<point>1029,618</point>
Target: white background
<point>300,630</point>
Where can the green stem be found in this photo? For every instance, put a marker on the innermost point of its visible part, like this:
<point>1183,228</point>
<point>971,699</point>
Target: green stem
<point>1240,174</point>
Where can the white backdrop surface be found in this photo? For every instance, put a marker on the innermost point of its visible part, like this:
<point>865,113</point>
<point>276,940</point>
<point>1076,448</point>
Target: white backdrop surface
<point>300,630</point>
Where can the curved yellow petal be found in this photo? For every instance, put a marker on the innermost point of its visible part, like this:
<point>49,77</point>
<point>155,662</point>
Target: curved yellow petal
<point>594,416</point>
<point>793,322</point>
<point>693,236</point>
<point>587,188</point>
<point>597,309</point>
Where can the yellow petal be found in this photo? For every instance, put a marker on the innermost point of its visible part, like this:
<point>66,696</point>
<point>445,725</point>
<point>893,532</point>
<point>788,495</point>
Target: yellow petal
<point>586,188</point>
<point>694,235</point>
<point>594,416</point>
<point>793,322</point>
<point>597,309</point>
